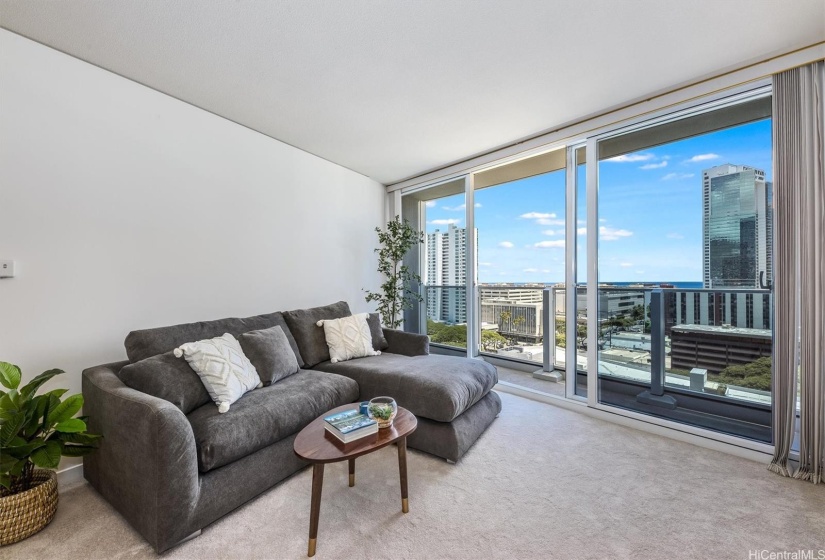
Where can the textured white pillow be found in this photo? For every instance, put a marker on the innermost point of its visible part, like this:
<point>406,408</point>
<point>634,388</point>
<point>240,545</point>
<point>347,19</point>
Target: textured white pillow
<point>223,368</point>
<point>348,337</point>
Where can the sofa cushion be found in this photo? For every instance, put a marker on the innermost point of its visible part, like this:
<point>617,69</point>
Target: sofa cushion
<point>379,341</point>
<point>310,337</point>
<point>270,353</point>
<point>224,369</point>
<point>266,415</point>
<point>168,378</point>
<point>435,387</point>
<point>348,337</point>
<point>146,343</point>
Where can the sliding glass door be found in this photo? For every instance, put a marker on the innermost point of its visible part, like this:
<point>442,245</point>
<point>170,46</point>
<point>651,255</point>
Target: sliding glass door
<point>631,270</point>
<point>684,230</point>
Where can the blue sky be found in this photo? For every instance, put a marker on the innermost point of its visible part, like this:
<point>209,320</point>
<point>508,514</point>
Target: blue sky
<point>650,213</point>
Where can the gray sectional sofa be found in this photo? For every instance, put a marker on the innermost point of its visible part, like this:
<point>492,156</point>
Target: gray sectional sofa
<point>171,464</point>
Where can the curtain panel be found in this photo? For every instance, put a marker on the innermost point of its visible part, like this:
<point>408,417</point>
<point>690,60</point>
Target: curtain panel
<point>799,217</point>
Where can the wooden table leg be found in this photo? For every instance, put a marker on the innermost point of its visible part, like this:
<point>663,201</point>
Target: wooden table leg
<point>315,509</point>
<point>351,473</point>
<point>402,470</point>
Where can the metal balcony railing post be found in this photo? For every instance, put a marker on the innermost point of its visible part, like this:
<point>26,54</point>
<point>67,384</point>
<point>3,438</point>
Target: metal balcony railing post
<point>546,328</point>
<point>548,343</point>
<point>656,395</point>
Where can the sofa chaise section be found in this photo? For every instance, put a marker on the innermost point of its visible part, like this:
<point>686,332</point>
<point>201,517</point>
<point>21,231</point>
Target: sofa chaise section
<point>452,397</point>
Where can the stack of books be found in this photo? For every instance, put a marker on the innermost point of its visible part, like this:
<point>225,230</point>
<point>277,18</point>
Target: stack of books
<point>350,425</point>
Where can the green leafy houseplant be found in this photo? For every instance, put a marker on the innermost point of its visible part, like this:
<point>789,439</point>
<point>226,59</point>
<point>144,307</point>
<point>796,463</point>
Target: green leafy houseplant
<point>36,430</point>
<point>395,295</point>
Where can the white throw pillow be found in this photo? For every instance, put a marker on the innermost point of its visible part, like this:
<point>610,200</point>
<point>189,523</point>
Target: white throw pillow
<point>348,337</point>
<point>223,368</point>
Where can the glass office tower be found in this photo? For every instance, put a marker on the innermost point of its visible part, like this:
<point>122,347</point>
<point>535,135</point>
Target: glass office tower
<point>737,227</point>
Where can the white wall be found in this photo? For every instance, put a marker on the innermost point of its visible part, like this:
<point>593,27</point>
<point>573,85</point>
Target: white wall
<point>127,209</point>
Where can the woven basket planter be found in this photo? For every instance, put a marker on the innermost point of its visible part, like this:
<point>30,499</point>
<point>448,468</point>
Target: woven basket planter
<point>25,513</point>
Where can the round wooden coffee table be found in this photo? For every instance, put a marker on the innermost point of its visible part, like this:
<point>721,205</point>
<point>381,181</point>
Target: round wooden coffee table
<point>315,445</point>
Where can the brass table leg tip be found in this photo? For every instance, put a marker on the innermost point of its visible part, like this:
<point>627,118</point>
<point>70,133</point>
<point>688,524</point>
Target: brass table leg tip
<point>405,505</point>
<point>311,549</point>
<point>351,480</point>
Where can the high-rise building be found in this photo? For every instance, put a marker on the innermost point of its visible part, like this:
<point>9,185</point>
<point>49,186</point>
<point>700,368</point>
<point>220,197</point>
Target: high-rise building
<point>737,227</point>
<point>446,274</point>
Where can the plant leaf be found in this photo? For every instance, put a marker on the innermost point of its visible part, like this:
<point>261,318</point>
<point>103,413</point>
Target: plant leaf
<point>5,481</point>
<point>6,462</point>
<point>23,451</point>
<point>32,386</point>
<point>77,450</point>
<point>10,402</point>
<point>17,468</point>
<point>9,375</point>
<point>83,439</point>
<point>38,407</point>
<point>65,410</point>
<point>48,456</point>
<point>11,427</point>
<point>57,392</point>
<point>73,425</point>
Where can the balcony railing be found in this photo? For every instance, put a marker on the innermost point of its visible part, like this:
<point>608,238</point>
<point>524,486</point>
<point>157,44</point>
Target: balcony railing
<point>726,332</point>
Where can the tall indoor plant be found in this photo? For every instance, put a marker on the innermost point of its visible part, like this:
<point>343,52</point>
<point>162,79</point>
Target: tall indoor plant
<point>35,432</point>
<point>396,293</point>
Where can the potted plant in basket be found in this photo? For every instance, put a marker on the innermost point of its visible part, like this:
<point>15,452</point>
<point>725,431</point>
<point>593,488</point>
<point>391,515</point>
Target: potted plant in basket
<point>35,431</point>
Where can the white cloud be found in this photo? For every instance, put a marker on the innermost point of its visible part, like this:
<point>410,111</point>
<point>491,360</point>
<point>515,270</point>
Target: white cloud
<point>531,270</point>
<point>702,157</point>
<point>537,215</point>
<point>640,271</point>
<point>552,232</point>
<point>558,243</point>
<point>506,245</point>
<point>581,222</point>
<point>612,234</point>
<point>549,222</point>
<point>675,236</point>
<point>546,270</point>
<point>602,220</point>
<point>625,265</point>
<point>445,222</point>
<point>671,176</point>
<point>485,264</point>
<point>431,204</point>
<point>629,158</point>
<point>582,231</point>
<point>659,165</point>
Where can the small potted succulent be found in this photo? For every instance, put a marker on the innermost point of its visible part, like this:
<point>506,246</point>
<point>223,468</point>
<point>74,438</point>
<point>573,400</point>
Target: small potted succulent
<point>383,410</point>
<point>35,432</point>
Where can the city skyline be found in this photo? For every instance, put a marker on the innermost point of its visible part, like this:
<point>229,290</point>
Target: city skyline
<point>650,213</point>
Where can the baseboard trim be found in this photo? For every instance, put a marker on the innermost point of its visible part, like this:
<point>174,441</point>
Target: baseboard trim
<point>578,406</point>
<point>69,477</point>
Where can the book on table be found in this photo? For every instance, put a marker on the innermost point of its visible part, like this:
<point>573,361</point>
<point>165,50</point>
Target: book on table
<point>350,425</point>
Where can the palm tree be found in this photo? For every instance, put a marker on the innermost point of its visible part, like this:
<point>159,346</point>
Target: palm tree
<point>517,322</point>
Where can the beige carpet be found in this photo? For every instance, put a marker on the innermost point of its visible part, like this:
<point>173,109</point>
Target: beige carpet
<point>542,482</point>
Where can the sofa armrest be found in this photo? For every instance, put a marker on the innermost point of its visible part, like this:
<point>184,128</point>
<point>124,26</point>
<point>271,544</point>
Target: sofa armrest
<point>146,466</point>
<point>405,343</point>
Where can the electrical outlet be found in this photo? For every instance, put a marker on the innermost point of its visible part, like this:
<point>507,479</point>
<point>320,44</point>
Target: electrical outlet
<point>6,269</point>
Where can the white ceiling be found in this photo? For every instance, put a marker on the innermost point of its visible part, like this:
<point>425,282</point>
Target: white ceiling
<point>393,89</point>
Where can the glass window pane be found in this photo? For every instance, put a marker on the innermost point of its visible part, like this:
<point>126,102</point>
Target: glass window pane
<point>691,214</point>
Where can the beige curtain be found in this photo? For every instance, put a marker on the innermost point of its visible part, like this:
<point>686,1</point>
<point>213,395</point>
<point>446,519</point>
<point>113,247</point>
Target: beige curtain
<point>799,217</point>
